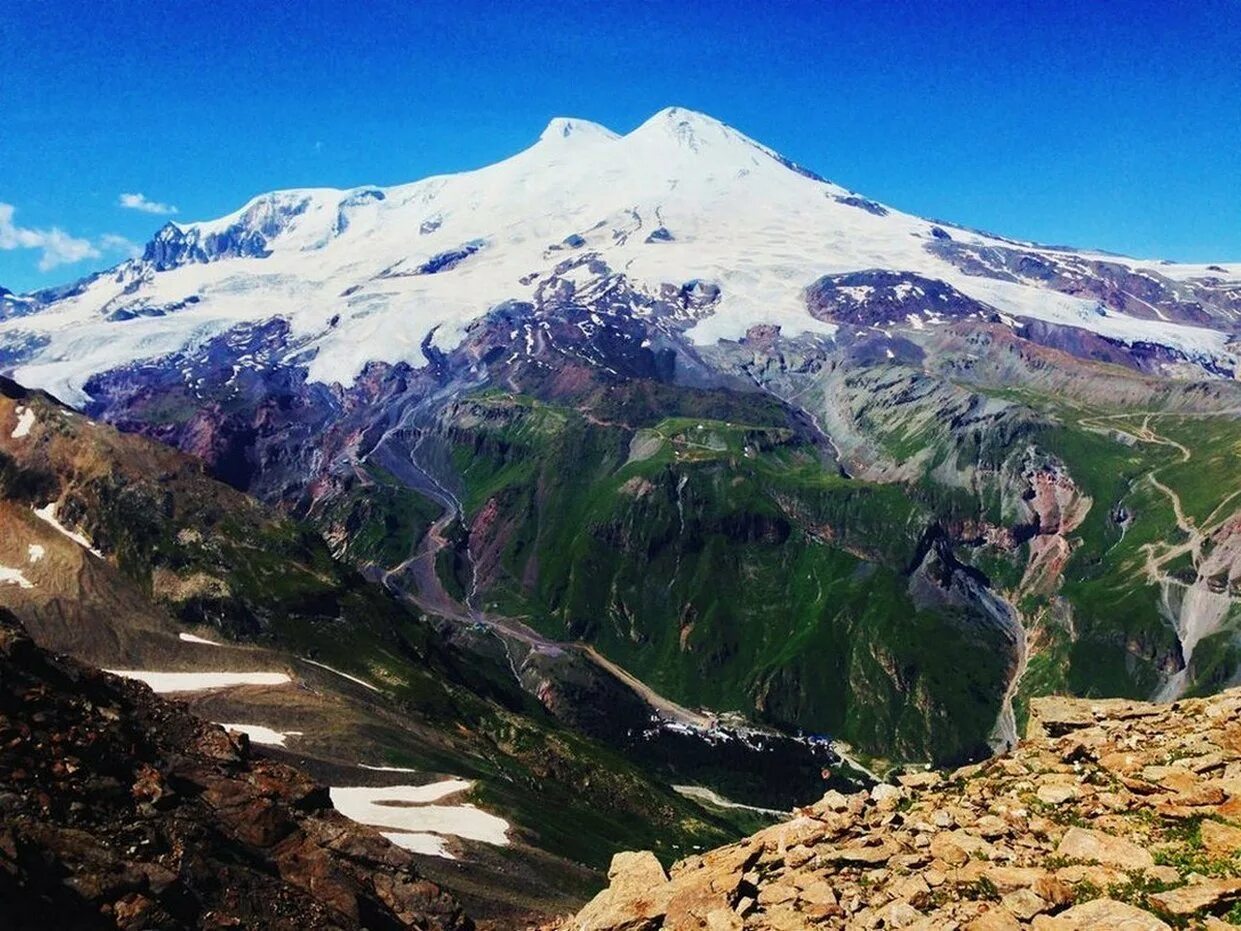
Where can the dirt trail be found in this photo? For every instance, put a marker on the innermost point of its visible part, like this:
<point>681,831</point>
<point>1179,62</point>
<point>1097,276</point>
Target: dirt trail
<point>1192,619</point>
<point>664,706</point>
<point>703,794</point>
<point>417,579</point>
<point>1158,554</point>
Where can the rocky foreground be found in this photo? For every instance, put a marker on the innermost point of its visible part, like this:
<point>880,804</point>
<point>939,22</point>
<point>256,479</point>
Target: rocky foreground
<point>1109,815</point>
<point>119,809</point>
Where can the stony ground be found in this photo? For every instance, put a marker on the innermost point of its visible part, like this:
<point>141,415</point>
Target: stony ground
<point>1109,815</point>
<point>119,809</point>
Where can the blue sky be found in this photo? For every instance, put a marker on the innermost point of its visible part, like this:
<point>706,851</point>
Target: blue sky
<point>1115,125</point>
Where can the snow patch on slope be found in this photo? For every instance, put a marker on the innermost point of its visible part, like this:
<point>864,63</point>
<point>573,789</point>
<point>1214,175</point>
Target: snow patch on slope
<point>25,420</point>
<point>165,682</point>
<point>47,514</point>
<point>343,675</point>
<point>259,734</point>
<point>190,638</point>
<point>408,810</point>
<point>14,577</point>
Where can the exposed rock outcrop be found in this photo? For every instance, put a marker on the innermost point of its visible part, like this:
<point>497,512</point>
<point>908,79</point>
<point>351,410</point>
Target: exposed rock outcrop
<point>1109,815</point>
<point>119,809</point>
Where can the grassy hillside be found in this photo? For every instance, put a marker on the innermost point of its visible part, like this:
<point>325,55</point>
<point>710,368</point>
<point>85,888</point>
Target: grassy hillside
<point>204,554</point>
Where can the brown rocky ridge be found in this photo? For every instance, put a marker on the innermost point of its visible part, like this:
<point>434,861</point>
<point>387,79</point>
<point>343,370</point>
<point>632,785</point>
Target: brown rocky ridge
<point>1111,815</point>
<point>120,809</point>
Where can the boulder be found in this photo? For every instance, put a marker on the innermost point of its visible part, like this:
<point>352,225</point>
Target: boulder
<point>636,899</point>
<point>1189,900</point>
<point>1097,847</point>
<point>1101,915</point>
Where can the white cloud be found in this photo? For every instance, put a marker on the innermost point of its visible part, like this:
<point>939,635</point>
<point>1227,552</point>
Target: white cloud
<point>111,242</point>
<point>139,201</point>
<point>58,247</point>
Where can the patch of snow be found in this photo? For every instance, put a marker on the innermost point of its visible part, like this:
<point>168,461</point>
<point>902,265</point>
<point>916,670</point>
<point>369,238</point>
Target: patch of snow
<point>343,675</point>
<point>427,844</point>
<point>25,420</point>
<point>14,577</point>
<point>408,809</point>
<point>35,552</point>
<point>47,513</point>
<point>190,638</point>
<point>164,682</point>
<point>388,769</point>
<point>260,734</point>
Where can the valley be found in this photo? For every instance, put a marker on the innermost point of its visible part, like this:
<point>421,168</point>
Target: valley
<point>267,603</point>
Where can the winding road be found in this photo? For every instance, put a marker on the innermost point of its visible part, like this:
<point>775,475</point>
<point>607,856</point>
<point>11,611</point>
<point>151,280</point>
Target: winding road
<point>417,580</point>
<point>1158,554</point>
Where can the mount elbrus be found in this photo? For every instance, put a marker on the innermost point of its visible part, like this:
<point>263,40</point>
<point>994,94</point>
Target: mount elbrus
<point>702,459</point>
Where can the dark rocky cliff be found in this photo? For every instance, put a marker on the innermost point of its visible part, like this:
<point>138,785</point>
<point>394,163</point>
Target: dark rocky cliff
<point>121,809</point>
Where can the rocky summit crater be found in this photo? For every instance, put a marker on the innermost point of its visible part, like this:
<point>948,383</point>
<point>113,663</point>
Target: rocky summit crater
<point>1110,815</point>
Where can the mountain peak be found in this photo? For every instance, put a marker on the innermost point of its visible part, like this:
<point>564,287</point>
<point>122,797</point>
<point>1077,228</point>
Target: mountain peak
<point>564,127</point>
<point>684,115</point>
<point>691,129</point>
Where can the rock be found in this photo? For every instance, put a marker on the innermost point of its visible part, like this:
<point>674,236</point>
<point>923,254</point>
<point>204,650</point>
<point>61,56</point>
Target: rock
<point>1220,840</point>
<point>818,892</point>
<point>913,889</point>
<point>1101,915</point>
<point>1052,716</point>
<point>970,854</point>
<point>723,919</point>
<point>875,853</point>
<point>133,811</point>
<point>956,847</point>
<point>1057,794</point>
<point>899,914</point>
<point>1024,904</point>
<point>924,780</point>
<point>887,797</point>
<point>1188,900</point>
<point>991,827</point>
<point>1095,846</point>
<point>636,899</point>
<point>995,919</point>
<point>1122,762</point>
<point>776,894</point>
<point>1053,891</point>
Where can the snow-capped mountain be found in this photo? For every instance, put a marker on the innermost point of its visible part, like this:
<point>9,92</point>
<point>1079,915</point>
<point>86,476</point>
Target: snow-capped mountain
<point>755,437</point>
<point>681,205</point>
